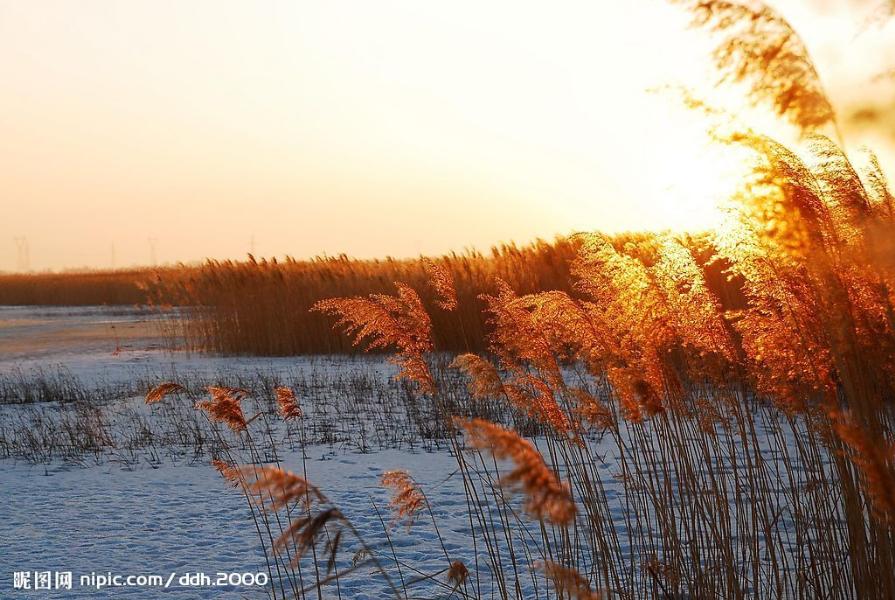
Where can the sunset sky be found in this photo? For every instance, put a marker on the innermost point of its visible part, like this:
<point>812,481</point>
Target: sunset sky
<point>210,128</point>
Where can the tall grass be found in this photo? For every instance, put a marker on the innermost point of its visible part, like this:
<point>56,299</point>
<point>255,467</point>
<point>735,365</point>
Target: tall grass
<point>750,419</point>
<point>79,288</point>
<point>262,307</point>
<point>753,428</point>
<point>752,434</point>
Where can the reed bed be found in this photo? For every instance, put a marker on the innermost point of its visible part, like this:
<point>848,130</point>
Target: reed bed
<point>747,421</point>
<point>262,307</point>
<point>751,429</point>
<point>752,440</point>
<point>82,288</point>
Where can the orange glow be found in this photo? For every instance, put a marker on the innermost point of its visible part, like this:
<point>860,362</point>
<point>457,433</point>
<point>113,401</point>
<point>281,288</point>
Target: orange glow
<point>151,131</point>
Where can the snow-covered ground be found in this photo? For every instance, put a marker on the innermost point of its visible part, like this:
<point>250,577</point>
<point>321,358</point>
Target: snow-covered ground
<point>96,482</point>
<point>184,519</point>
<point>166,510</point>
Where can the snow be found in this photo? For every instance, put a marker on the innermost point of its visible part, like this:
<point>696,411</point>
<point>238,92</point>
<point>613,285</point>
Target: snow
<point>174,513</point>
<point>151,503</point>
<point>185,519</point>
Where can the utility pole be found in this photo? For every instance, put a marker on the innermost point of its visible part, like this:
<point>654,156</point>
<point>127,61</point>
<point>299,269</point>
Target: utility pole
<point>112,255</point>
<point>153,242</point>
<point>23,258</point>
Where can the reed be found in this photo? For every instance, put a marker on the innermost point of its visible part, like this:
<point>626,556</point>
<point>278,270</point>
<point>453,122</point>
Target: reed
<point>262,307</point>
<point>82,288</point>
<point>742,380</point>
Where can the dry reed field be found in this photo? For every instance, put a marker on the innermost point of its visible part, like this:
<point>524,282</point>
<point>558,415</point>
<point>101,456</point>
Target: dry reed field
<point>79,288</point>
<point>262,307</point>
<point>752,438</point>
<point>641,415</point>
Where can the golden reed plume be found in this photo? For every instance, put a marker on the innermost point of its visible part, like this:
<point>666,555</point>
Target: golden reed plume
<point>536,398</point>
<point>407,498</point>
<point>229,472</point>
<point>759,47</point>
<point>442,282</point>
<point>278,488</point>
<point>515,337</point>
<point>287,403</point>
<point>382,321</point>
<point>484,379</point>
<point>457,573</point>
<point>224,407</point>
<point>547,497</point>
<point>159,392</point>
<point>591,410</point>
<point>526,392</point>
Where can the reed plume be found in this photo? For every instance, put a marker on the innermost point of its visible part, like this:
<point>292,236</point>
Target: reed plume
<point>546,497</point>
<point>515,337</point>
<point>634,316</point>
<point>159,392</point>
<point>277,488</point>
<point>304,532</point>
<point>772,240</point>
<point>759,47</point>
<point>407,498</point>
<point>224,407</point>
<point>695,311</point>
<point>877,185</point>
<point>484,379</point>
<point>457,573</point>
<point>533,396</point>
<point>442,282</point>
<point>229,472</point>
<point>287,403</point>
<point>382,321</point>
<point>591,410</point>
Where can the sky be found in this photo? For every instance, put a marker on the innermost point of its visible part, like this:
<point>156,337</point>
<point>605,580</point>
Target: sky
<point>152,131</point>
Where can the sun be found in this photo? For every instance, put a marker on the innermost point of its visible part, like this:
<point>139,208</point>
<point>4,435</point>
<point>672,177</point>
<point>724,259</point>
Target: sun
<point>691,184</point>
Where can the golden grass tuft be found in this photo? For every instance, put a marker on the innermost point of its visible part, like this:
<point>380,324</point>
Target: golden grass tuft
<point>591,410</point>
<point>407,498</point>
<point>442,283</point>
<point>546,497</point>
<point>383,321</point>
<point>287,403</point>
<point>484,379</point>
<point>159,392</point>
<point>225,407</point>
<point>457,573</point>
<point>278,488</point>
<point>229,472</point>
